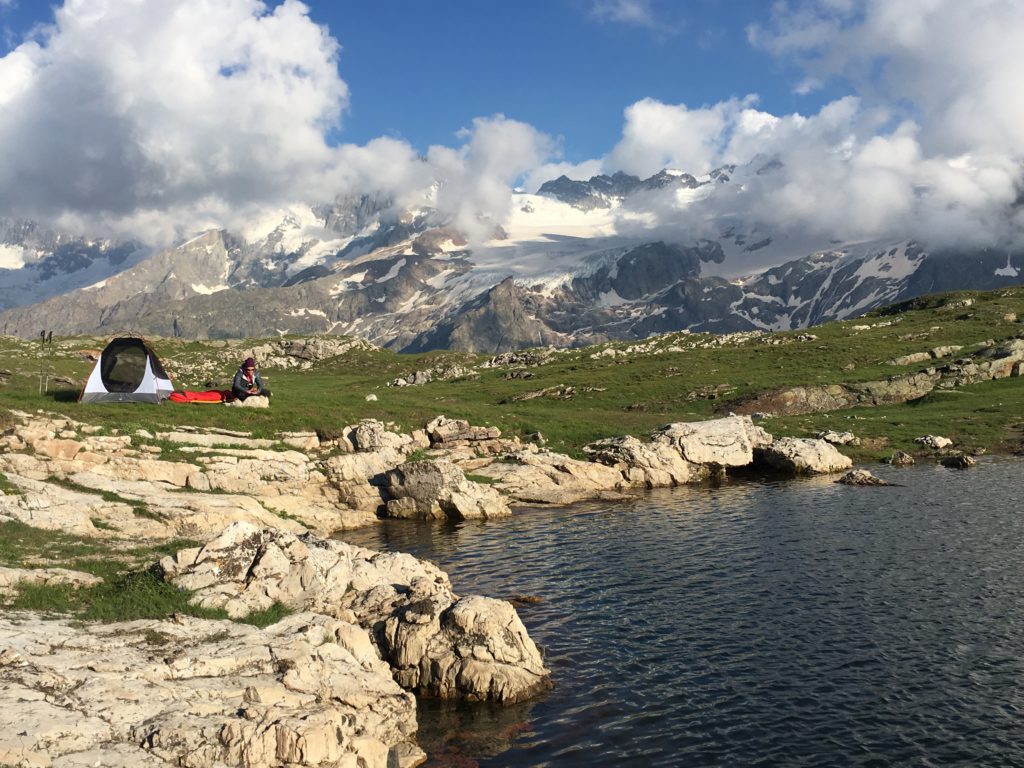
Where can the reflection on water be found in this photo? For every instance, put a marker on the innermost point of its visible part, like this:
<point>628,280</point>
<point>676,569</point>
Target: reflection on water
<point>758,623</point>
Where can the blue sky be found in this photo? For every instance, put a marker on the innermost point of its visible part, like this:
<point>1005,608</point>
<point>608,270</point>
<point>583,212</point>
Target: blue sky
<point>159,118</point>
<point>422,71</point>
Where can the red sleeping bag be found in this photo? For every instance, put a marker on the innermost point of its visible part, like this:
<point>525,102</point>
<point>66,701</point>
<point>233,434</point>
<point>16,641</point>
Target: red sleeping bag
<point>209,396</point>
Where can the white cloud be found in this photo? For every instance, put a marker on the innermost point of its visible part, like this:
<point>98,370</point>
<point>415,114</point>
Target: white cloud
<point>477,179</point>
<point>151,105</point>
<point>658,135</point>
<point>956,64</point>
<point>634,12</point>
<point>160,119</point>
<point>930,146</point>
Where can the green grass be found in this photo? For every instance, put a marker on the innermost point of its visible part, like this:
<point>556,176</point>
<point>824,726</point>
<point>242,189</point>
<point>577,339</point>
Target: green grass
<point>8,488</point>
<point>23,546</point>
<point>129,591</point>
<point>138,595</point>
<point>266,617</point>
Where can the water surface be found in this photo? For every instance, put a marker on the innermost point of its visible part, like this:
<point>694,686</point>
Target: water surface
<point>757,623</point>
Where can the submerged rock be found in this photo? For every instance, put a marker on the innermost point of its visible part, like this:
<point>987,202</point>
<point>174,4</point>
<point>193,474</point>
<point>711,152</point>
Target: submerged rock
<point>804,456</point>
<point>900,459</point>
<point>959,461</point>
<point>860,477</point>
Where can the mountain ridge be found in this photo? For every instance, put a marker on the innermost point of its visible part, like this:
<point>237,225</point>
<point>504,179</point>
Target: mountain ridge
<point>558,272</point>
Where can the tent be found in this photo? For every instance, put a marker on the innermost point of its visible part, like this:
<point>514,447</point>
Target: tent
<point>128,371</point>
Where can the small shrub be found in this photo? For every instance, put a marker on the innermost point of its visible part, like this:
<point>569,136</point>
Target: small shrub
<point>266,617</point>
<point>8,487</point>
<point>140,595</point>
<point>154,637</point>
<point>44,598</point>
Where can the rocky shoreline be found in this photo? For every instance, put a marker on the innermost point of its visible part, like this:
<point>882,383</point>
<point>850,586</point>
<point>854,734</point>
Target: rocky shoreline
<point>332,683</point>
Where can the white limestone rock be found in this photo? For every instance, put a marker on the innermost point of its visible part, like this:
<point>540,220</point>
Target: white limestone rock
<point>838,438</point>
<point>11,577</point>
<point>426,628</point>
<point>253,401</point>
<point>645,465</point>
<point>307,691</point>
<point>725,442</point>
<point>935,442</point>
<point>545,477</point>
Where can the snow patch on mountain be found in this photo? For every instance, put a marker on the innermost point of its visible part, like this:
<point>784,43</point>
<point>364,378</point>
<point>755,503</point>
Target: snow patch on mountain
<point>1009,270</point>
<point>12,257</point>
<point>206,290</point>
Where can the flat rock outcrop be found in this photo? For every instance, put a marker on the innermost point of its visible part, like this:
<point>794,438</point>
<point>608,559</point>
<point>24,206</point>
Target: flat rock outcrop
<point>440,645</point>
<point>803,456</point>
<point>545,477</point>
<point>996,362</point>
<point>683,452</point>
<point>307,691</point>
<point>10,577</point>
<point>73,479</point>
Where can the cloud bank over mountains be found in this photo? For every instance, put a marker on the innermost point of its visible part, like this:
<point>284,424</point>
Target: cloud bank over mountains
<point>163,119</point>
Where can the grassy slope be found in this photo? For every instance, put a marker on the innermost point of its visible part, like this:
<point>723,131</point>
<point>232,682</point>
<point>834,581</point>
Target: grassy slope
<point>630,394</point>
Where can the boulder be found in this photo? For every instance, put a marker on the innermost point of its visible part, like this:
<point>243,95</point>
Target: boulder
<point>803,456</point>
<point>436,643</point>
<point>359,478</point>
<point>370,435</point>
<point>445,431</point>
<point>439,490</point>
<point>933,441</point>
<point>838,438</point>
<point>726,442</point>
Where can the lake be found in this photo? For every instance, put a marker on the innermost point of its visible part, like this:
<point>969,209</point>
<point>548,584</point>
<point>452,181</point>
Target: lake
<point>760,622</point>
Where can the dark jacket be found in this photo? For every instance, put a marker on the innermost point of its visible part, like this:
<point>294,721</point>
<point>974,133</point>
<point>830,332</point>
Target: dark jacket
<point>240,386</point>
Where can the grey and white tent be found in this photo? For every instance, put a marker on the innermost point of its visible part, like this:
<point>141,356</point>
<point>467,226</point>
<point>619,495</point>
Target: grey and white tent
<point>128,371</point>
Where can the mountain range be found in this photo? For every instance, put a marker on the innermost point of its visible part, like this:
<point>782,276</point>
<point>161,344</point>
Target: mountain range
<point>561,270</point>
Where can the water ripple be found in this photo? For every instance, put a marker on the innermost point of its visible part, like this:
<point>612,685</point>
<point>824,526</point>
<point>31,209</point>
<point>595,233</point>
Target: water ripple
<point>760,623</point>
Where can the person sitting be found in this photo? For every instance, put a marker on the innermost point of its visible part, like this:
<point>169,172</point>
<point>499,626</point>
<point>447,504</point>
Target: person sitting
<point>247,381</point>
